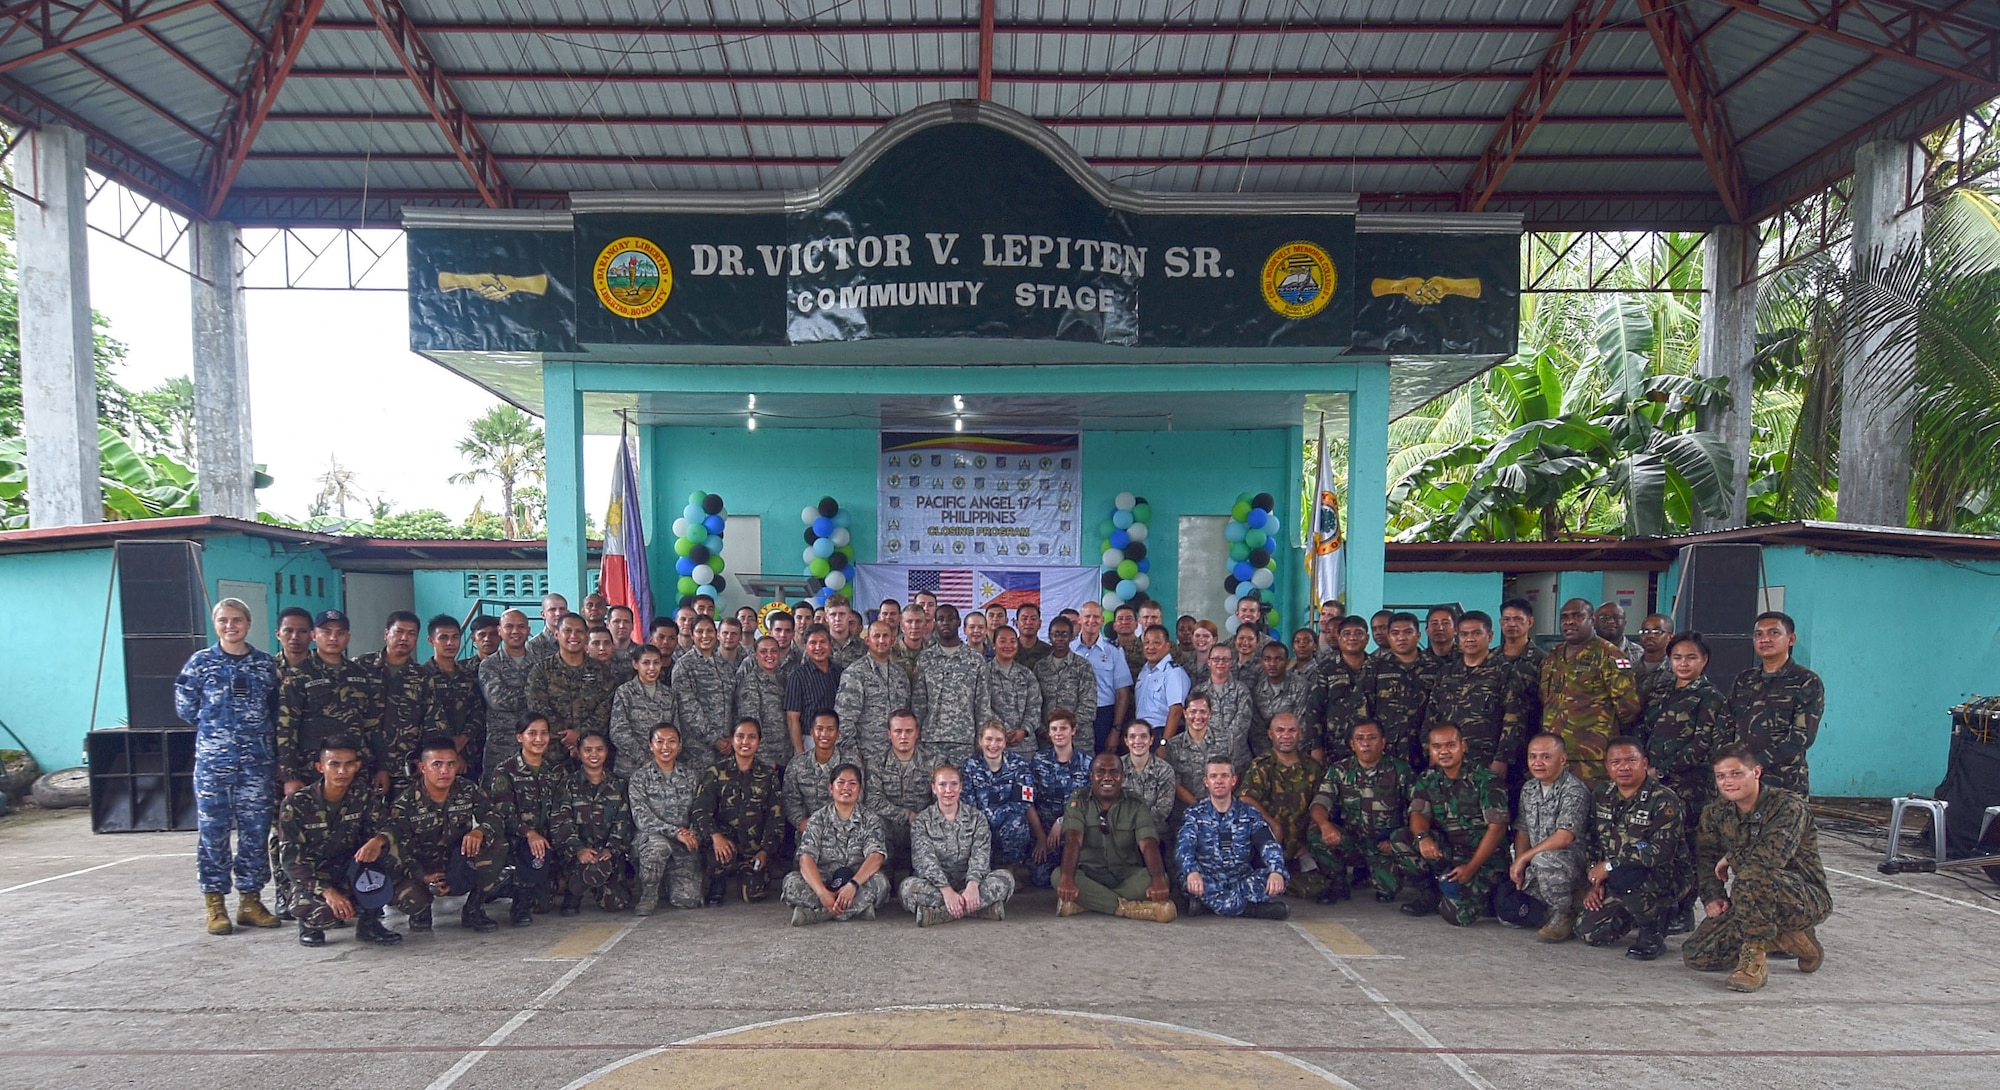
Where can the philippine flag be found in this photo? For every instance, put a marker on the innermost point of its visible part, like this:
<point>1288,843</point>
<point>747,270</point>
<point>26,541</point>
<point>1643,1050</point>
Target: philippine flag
<point>621,574</point>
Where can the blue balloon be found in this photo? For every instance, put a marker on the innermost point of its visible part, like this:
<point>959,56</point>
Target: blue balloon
<point>693,512</point>
<point>1243,571</point>
<point>706,590</point>
<point>1256,518</point>
<point>1234,531</point>
<point>842,520</point>
<point>823,526</point>
<point>714,523</point>
<point>684,566</point>
<point>1121,519</point>
<point>1127,589</point>
<point>823,548</point>
<point>1120,539</point>
<point>1146,564</point>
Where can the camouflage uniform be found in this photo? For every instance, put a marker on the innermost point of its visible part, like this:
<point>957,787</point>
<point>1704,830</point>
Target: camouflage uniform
<point>1777,716</point>
<point>1188,756</point>
<point>704,687</point>
<point>849,651</point>
<point>228,699</point>
<point>1460,811</point>
<point>837,843</point>
<point>1779,885</point>
<point>1554,877</point>
<point>1011,695</point>
<point>1483,704</point>
<point>1135,652</point>
<point>1004,795</point>
<point>1068,682</point>
<point>897,789</point>
<point>807,781</point>
<point>1285,793</point>
<point>574,698</point>
<point>1681,730</point>
<point>1153,785</point>
<point>1231,716</point>
<point>1397,692</point>
<point>542,645</point>
<point>1233,851</point>
<point>1293,694</point>
<point>1646,832</point>
<point>660,809</point>
<point>529,798</point>
<point>457,705</point>
<point>952,853</point>
<point>760,695</point>
<point>1343,703</point>
<point>948,684</point>
<point>748,809</point>
<point>907,657</point>
<point>406,714</point>
<point>869,691</point>
<point>596,816</point>
<point>1370,805</point>
<point>504,679</point>
<point>636,708</point>
<point>1032,654</point>
<point>1056,782</point>
<point>317,840</point>
<point>427,834</point>
<point>323,699</point>
<point>1527,671</point>
<point>1586,701</point>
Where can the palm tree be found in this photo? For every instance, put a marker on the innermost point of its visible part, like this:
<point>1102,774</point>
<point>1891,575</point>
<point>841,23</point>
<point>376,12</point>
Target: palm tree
<point>505,446</point>
<point>338,487</point>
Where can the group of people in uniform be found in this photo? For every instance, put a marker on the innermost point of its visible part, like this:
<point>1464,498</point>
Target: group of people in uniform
<point>1598,788</point>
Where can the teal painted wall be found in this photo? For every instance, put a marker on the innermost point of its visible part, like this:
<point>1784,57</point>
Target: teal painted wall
<point>774,472</point>
<point>1471,590</point>
<point>1580,584</point>
<point>294,576</point>
<point>58,601</point>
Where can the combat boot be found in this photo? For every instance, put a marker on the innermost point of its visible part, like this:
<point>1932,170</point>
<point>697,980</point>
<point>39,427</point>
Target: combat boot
<point>931,917</point>
<point>1335,892</point>
<point>1068,908</point>
<point>218,914</point>
<point>1195,907</point>
<point>718,888</point>
<point>1805,946</point>
<point>1680,920</point>
<point>1751,972</point>
<point>806,917</point>
<point>1426,903</point>
<point>368,928</point>
<point>1268,910</point>
<point>521,911</point>
<point>1557,928</point>
<point>420,920</point>
<point>474,917</point>
<point>646,905</point>
<point>250,911</point>
<point>1650,943</point>
<point>1156,911</point>
<point>572,904</point>
<point>993,912</point>
<point>310,935</point>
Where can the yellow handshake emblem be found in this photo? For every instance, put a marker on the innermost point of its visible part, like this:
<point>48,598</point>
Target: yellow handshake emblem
<point>493,286</point>
<point>1424,292</point>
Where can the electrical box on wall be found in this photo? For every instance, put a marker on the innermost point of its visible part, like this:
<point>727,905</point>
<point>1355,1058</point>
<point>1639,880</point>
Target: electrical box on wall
<point>1630,590</point>
<point>1539,588</point>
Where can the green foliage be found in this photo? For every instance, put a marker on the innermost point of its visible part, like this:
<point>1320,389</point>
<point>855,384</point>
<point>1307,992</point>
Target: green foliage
<point>505,446</point>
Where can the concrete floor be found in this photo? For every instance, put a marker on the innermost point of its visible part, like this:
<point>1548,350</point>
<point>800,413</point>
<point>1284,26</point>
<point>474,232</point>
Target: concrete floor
<point>107,979</point>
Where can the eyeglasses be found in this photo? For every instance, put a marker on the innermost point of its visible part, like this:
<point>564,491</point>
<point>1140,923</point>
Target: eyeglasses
<point>1653,631</point>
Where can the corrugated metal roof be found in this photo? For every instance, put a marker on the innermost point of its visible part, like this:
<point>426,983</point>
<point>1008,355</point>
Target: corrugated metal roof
<point>1393,99</point>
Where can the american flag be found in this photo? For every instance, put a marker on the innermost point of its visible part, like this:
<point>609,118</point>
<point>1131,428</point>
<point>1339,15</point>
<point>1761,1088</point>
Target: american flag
<point>969,589</point>
<point>952,587</point>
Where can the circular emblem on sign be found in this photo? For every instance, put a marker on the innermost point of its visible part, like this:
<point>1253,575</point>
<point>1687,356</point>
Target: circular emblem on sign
<point>633,278</point>
<point>1298,280</point>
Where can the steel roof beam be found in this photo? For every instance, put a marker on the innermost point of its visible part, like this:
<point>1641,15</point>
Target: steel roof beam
<point>187,62</point>
<point>1907,27</point>
<point>453,119</point>
<point>108,155</point>
<point>909,28</point>
<point>986,50</point>
<point>855,121</point>
<point>971,76</point>
<point>830,161</point>
<point>1936,105</point>
<point>261,85</point>
<point>51,25</point>
<point>1558,61</point>
<point>1693,86</point>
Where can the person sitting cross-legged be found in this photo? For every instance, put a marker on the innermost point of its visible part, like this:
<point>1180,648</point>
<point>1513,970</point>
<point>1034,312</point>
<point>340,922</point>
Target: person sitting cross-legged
<point>1232,865</point>
<point>842,854</point>
<point>951,850</point>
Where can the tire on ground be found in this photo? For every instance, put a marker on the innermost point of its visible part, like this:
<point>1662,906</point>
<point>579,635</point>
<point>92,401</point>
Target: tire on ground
<point>62,789</point>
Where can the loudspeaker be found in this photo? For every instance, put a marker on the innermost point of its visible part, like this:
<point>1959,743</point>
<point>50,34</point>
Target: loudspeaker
<point>141,781</point>
<point>151,665</point>
<point>1718,598</point>
<point>160,588</point>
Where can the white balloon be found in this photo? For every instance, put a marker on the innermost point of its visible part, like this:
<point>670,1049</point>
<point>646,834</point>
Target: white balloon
<point>1262,579</point>
<point>808,555</point>
<point>1125,501</point>
<point>1137,530</point>
<point>1143,581</point>
<point>810,515</point>
<point>1113,557</point>
<point>1112,601</point>
<point>836,580</point>
<point>1229,604</point>
<point>680,527</point>
<point>704,574</point>
<point>841,538</point>
<point>1232,623</point>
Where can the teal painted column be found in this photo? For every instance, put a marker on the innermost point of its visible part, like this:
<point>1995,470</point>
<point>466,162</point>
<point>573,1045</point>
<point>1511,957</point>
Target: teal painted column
<point>659,535</point>
<point>1367,487</point>
<point>563,438</point>
<point>1291,558</point>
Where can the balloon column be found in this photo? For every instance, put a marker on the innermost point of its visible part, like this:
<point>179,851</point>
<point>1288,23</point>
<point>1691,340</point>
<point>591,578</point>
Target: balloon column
<point>1252,534</point>
<point>1125,576</point>
<point>698,547</point>
<point>829,554</point>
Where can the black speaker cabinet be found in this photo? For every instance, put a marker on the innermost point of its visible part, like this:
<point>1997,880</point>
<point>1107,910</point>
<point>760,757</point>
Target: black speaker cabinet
<point>1718,598</point>
<point>151,665</point>
<point>160,588</point>
<point>141,780</point>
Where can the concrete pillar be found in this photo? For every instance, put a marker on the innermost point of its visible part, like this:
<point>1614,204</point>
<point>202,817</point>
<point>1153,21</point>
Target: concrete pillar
<point>1295,602</point>
<point>1728,344</point>
<point>562,417</point>
<point>221,374</point>
<point>1874,415</point>
<point>58,381</point>
<point>1367,487</point>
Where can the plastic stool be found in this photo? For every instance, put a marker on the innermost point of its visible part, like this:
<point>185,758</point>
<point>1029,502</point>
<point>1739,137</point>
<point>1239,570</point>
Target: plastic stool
<point>1892,862</point>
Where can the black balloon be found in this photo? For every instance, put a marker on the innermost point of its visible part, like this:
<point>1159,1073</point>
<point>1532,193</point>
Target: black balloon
<point>828,506</point>
<point>837,561</point>
<point>1110,580</point>
<point>1137,500</point>
<point>1260,558</point>
<point>687,601</point>
<point>712,504</point>
<point>721,584</point>
<point>1253,595</point>
<point>1136,551</point>
<point>1230,583</point>
<point>698,553</point>
<point>810,536</point>
<point>817,584</point>
<point>1263,501</point>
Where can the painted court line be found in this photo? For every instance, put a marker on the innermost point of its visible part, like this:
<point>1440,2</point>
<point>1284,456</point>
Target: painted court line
<point>1396,1013</point>
<point>466,1062</point>
<point>100,866</point>
<point>1880,882</point>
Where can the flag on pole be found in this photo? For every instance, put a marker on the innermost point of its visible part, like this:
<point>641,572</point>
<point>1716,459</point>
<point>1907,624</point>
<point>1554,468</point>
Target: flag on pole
<point>621,573</point>
<point>1323,550</point>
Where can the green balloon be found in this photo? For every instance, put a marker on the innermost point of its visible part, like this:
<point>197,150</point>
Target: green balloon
<point>697,534</point>
<point>695,497</point>
<point>682,546</point>
<point>687,584</point>
<point>846,590</point>
<point>1239,551</point>
<point>1244,497</point>
<point>715,561</point>
<point>1241,511</point>
<point>1255,539</point>
<point>1104,528</point>
<point>1142,512</point>
<point>819,568</point>
<point>1128,569</point>
<point>846,551</point>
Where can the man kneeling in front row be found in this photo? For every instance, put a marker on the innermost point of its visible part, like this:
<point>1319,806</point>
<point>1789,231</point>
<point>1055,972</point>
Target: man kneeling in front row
<point>324,831</point>
<point>1764,839</point>
<point>447,835</point>
<point>1232,863</point>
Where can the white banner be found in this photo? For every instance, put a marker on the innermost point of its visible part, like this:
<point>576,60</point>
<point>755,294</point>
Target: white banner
<point>988,500</point>
<point>1052,589</point>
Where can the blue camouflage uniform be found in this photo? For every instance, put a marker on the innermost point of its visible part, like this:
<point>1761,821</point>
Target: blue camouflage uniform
<point>1234,852</point>
<point>1004,795</point>
<point>1055,782</point>
<point>230,700</point>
